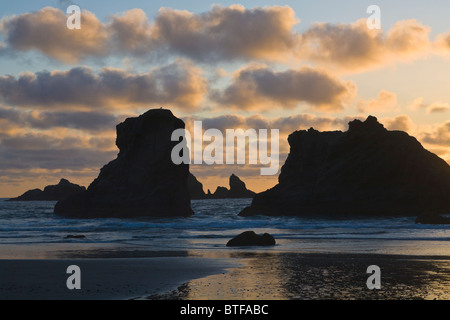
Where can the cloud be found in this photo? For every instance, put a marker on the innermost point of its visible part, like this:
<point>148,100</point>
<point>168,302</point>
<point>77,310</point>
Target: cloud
<point>46,31</point>
<point>441,135</point>
<point>384,101</point>
<point>436,138</point>
<point>223,33</point>
<point>44,120</point>
<point>402,123</point>
<point>417,104</point>
<point>47,151</point>
<point>408,37</point>
<point>438,107</point>
<point>103,143</point>
<point>354,47</point>
<point>179,84</point>
<point>442,43</point>
<point>220,34</point>
<point>132,32</point>
<point>258,87</point>
<point>228,33</point>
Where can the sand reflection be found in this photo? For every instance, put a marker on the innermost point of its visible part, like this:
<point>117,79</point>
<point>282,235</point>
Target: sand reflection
<point>281,276</point>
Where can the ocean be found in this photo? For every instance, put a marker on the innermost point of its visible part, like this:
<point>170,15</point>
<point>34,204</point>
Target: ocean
<point>215,222</point>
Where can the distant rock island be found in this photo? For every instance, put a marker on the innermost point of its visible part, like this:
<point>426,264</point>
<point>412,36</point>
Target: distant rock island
<point>365,171</point>
<point>57,192</point>
<point>142,180</point>
<point>237,189</point>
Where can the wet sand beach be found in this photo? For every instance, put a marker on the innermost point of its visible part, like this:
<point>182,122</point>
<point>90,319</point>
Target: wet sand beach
<point>104,279</point>
<point>290,276</point>
<point>237,274</point>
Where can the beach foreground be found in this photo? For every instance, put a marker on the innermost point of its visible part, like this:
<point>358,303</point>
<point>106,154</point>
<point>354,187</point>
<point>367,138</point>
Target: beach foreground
<point>104,279</point>
<point>228,275</point>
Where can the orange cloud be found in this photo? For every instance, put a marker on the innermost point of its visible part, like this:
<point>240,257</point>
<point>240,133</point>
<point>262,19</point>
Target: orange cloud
<point>131,31</point>
<point>442,43</point>
<point>220,34</point>
<point>402,123</point>
<point>384,101</point>
<point>440,137</point>
<point>438,107</point>
<point>408,37</point>
<point>354,47</point>
<point>258,87</point>
<point>46,31</point>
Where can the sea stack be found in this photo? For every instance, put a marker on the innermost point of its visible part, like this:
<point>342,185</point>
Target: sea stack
<point>237,190</point>
<point>142,180</point>
<point>365,171</point>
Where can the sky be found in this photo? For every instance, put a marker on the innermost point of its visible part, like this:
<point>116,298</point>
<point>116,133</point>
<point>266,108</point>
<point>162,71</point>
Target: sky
<point>287,65</point>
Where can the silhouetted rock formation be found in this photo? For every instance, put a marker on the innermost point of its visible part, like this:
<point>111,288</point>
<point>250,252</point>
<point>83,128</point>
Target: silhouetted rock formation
<point>432,219</point>
<point>195,188</point>
<point>237,190</point>
<point>365,171</point>
<point>142,180</point>
<point>57,192</point>
<point>250,238</point>
<point>221,193</point>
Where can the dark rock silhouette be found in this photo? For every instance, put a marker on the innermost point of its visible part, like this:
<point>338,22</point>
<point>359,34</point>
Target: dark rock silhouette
<point>221,193</point>
<point>195,188</point>
<point>366,171</point>
<point>237,190</point>
<point>250,238</point>
<point>57,192</point>
<point>142,180</point>
<point>432,218</point>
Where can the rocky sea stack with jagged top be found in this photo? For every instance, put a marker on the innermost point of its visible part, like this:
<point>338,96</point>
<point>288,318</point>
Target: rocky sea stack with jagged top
<point>365,171</point>
<point>237,190</point>
<point>142,180</point>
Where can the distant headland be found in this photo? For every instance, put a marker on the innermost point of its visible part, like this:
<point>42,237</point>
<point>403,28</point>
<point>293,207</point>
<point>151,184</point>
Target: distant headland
<point>57,192</point>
